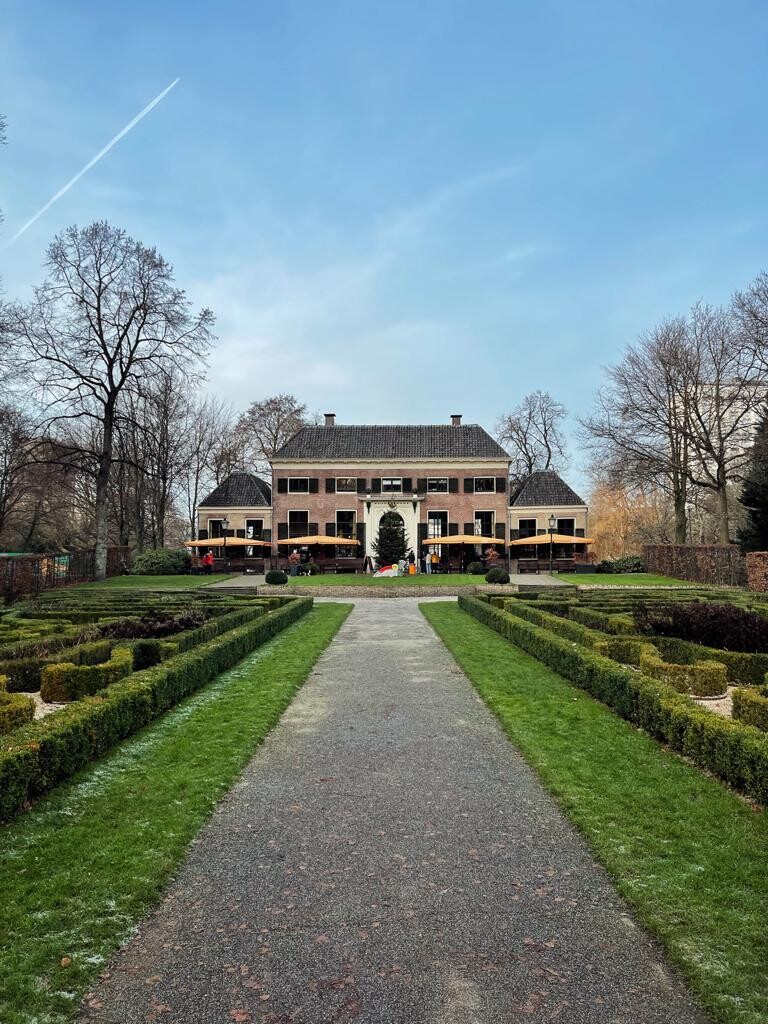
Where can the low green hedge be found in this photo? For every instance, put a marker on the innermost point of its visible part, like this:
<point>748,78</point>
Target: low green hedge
<point>624,649</point>
<point>40,755</point>
<point>605,622</point>
<point>734,752</point>
<point>742,668</point>
<point>751,707</point>
<point>563,627</point>
<point>63,681</point>
<point>15,709</point>
<point>700,678</point>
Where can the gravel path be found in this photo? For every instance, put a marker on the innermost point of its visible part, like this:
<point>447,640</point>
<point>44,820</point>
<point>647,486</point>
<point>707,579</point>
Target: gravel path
<point>387,856</point>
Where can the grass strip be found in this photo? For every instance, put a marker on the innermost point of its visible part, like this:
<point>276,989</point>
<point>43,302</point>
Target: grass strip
<point>352,579</point>
<point>627,579</point>
<point>86,863</point>
<point>686,853</point>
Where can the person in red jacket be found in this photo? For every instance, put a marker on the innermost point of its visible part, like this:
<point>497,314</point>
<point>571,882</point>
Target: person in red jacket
<point>207,561</point>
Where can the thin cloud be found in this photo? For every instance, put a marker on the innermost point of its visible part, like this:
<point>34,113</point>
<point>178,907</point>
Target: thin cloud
<point>94,160</point>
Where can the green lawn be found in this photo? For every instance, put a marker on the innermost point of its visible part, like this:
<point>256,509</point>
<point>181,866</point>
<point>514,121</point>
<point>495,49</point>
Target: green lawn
<point>632,579</point>
<point>690,857</point>
<point>153,582</point>
<point>352,579</point>
<point>86,863</point>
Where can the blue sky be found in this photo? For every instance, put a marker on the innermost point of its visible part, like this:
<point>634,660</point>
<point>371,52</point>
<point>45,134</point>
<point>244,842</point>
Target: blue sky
<point>399,211</point>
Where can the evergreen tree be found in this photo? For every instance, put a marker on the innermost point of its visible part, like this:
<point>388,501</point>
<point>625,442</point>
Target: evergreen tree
<point>390,544</point>
<point>754,493</point>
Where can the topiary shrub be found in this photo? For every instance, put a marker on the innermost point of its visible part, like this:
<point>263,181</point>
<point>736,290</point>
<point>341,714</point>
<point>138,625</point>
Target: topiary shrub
<point>276,577</point>
<point>497,576</point>
<point>161,562</point>
<point>475,568</point>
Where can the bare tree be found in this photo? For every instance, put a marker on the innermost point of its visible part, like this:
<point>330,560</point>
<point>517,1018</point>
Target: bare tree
<point>637,433</point>
<point>107,320</point>
<point>15,437</point>
<point>266,425</point>
<point>208,448</point>
<point>533,434</point>
<point>750,308</point>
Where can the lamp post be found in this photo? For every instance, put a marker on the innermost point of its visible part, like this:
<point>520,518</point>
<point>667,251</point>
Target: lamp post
<point>225,527</point>
<point>552,525</point>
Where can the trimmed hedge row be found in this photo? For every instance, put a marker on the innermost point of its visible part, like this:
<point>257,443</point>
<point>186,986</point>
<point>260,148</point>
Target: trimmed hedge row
<point>751,707</point>
<point>39,756</point>
<point>734,752</point>
<point>701,678</point>
<point>605,622</point>
<point>15,709</point>
<point>64,681</point>
<point>745,669</point>
<point>563,627</point>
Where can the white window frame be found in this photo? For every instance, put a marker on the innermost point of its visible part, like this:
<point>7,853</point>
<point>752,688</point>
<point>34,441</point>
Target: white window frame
<point>392,479</point>
<point>438,512</point>
<point>354,518</point>
<point>254,520</point>
<point>437,490</point>
<point>291,480</point>
<point>491,478</point>
<point>486,511</point>
<point>573,520</point>
<point>351,490</point>
<point>220,521</point>
<point>529,519</point>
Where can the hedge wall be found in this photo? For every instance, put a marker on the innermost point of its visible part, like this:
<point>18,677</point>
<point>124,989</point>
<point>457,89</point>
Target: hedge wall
<point>734,752</point>
<point>37,757</point>
<point>751,707</point>
<point>15,708</point>
<point>700,678</point>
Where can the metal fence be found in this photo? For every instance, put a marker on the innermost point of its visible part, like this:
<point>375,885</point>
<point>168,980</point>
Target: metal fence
<point>28,575</point>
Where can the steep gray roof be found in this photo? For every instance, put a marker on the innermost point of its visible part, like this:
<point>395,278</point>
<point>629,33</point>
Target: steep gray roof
<point>468,441</point>
<point>239,489</point>
<point>545,487</point>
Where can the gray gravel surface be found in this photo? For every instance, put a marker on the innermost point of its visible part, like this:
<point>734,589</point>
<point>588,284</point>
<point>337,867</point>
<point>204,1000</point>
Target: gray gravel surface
<point>387,856</point>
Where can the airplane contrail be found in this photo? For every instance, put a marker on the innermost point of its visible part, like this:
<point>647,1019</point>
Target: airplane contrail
<point>95,160</point>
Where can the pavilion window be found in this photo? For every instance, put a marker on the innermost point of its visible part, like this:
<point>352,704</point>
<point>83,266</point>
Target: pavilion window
<point>567,527</point>
<point>215,528</point>
<point>526,527</point>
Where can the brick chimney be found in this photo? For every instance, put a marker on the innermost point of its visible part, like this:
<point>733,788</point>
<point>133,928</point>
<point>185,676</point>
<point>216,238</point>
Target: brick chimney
<point>456,419</point>
<point>330,419</point>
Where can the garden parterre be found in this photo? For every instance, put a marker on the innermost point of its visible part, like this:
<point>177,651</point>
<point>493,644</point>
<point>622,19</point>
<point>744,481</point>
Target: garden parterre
<point>116,661</point>
<point>649,680</point>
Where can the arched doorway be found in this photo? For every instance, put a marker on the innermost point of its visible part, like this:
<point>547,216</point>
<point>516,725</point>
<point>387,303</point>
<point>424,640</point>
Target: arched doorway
<point>391,542</point>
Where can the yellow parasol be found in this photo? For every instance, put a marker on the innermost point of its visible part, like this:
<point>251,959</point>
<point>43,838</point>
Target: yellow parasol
<point>231,542</point>
<point>462,538</point>
<point>319,538</point>
<point>557,538</point>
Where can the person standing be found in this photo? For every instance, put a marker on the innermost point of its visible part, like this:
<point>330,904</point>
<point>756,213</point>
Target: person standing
<point>428,561</point>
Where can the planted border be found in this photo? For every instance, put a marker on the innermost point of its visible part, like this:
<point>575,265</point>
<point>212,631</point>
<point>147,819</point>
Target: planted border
<point>39,756</point>
<point>735,753</point>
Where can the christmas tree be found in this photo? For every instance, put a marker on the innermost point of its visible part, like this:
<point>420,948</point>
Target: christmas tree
<point>390,545</point>
<point>754,493</point>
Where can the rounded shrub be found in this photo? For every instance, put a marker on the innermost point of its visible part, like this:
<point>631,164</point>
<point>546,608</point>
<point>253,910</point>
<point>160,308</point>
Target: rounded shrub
<point>161,562</point>
<point>497,576</point>
<point>475,569</point>
<point>276,577</point>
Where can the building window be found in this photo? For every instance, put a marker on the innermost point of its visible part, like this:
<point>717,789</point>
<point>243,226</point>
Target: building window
<point>437,526</point>
<point>298,485</point>
<point>485,484</point>
<point>392,485</point>
<point>215,529</point>
<point>254,529</point>
<point>345,528</point>
<point>437,484</point>
<point>566,527</point>
<point>346,485</point>
<point>526,527</point>
<point>484,524</point>
<point>298,523</point>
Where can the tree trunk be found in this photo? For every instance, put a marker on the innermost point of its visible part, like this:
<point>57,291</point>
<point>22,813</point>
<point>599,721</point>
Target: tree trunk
<point>681,519</point>
<point>102,497</point>
<point>723,528</point>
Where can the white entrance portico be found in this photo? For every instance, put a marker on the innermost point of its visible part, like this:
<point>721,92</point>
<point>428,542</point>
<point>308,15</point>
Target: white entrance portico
<point>377,505</point>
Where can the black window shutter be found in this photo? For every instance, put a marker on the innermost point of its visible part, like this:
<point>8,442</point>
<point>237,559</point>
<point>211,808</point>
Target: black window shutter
<point>313,485</point>
<point>514,535</point>
<point>362,483</point>
<point>240,533</point>
<point>282,485</point>
<point>229,533</point>
<point>578,533</point>
<point>501,485</point>
<point>407,485</point>
<point>469,527</point>
<point>469,485</point>
<point>453,529</point>
<point>282,531</point>
<point>376,485</point>
<point>202,535</point>
<point>453,485</point>
<point>330,485</point>
<point>421,485</point>
<point>361,538</point>
<point>266,535</point>
<point>330,529</point>
<point>422,533</point>
<point>312,530</point>
<point>500,528</point>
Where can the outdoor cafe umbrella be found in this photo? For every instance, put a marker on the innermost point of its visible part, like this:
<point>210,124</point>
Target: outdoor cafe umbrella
<point>462,538</point>
<point>318,538</point>
<point>229,542</point>
<point>555,538</point>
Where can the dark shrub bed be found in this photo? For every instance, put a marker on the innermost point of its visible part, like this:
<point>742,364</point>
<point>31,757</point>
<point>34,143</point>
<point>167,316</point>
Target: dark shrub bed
<point>716,625</point>
<point>155,624</point>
